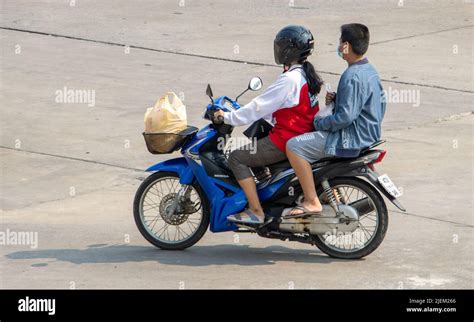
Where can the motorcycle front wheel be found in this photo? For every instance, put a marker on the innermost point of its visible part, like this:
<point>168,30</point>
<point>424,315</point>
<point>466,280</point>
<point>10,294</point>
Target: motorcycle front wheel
<point>372,225</point>
<point>163,220</point>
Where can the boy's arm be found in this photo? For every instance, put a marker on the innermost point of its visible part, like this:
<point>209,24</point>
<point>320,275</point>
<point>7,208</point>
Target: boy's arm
<point>348,109</point>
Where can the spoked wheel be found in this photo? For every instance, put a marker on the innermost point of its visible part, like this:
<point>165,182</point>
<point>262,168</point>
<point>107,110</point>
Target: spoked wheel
<point>372,226</point>
<point>168,214</point>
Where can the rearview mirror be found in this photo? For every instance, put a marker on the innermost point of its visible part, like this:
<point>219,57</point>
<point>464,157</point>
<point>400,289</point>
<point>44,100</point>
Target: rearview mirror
<point>255,83</point>
<point>209,91</point>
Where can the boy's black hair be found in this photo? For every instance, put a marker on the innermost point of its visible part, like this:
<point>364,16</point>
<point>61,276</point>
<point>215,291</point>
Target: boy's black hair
<point>357,35</point>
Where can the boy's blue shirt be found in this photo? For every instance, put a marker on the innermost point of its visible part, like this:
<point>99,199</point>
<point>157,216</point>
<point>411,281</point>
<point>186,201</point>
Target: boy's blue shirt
<point>358,111</point>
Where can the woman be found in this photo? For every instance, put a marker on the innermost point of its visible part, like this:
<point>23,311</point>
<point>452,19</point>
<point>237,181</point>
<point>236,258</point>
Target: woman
<point>292,103</point>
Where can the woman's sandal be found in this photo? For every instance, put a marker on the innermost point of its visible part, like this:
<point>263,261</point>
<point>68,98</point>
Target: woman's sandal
<point>286,214</point>
<point>247,217</point>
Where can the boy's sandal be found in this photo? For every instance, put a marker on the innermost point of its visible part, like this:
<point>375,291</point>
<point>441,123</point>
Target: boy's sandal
<point>286,214</point>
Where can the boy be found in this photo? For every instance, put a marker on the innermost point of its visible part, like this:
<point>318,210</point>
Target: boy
<point>355,123</point>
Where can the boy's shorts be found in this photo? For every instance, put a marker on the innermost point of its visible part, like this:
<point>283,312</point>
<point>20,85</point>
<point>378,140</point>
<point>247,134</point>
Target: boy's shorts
<point>310,146</point>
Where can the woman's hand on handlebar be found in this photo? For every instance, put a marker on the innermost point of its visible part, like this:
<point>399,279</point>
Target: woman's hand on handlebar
<point>218,117</point>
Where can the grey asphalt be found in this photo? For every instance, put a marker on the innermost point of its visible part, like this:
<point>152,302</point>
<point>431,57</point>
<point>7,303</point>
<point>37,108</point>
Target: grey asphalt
<point>69,171</point>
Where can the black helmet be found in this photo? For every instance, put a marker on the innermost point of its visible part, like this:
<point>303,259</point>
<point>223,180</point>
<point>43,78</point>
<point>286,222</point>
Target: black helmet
<point>292,43</point>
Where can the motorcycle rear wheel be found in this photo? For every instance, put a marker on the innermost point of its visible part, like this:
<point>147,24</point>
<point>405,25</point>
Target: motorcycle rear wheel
<point>380,220</point>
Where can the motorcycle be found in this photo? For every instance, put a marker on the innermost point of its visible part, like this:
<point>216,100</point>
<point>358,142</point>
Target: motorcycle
<point>175,205</point>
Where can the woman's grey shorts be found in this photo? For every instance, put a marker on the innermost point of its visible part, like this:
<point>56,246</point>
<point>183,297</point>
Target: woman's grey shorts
<point>310,146</point>
<point>264,153</point>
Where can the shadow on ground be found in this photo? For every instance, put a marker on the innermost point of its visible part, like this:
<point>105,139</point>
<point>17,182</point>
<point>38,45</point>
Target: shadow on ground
<point>195,256</point>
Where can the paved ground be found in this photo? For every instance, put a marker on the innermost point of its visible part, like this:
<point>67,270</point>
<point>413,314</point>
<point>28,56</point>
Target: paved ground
<point>69,171</point>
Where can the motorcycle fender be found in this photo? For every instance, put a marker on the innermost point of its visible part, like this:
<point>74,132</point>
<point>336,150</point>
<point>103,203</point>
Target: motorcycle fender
<point>179,166</point>
<point>372,177</point>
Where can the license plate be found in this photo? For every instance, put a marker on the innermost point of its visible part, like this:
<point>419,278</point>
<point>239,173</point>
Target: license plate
<point>389,186</point>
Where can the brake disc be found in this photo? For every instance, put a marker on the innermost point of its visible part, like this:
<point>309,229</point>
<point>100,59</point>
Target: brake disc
<point>175,218</point>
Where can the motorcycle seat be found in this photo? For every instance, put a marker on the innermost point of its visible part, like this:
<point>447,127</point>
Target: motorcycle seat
<point>279,165</point>
<point>372,146</point>
<point>361,153</point>
<point>286,164</point>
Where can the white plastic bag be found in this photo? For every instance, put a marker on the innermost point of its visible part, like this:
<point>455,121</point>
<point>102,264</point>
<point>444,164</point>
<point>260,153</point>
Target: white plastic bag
<point>326,110</point>
<point>167,116</point>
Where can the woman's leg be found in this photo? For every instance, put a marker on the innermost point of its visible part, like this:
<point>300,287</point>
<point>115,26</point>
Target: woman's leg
<point>302,151</point>
<point>250,189</point>
<point>241,159</point>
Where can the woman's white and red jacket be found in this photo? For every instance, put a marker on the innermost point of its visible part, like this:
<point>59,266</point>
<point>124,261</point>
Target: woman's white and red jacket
<point>286,102</point>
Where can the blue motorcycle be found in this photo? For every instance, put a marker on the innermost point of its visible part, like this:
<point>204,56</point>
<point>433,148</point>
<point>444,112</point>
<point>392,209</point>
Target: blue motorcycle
<point>175,205</point>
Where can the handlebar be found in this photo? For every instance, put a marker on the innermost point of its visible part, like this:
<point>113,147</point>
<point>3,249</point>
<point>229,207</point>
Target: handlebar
<point>211,116</point>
